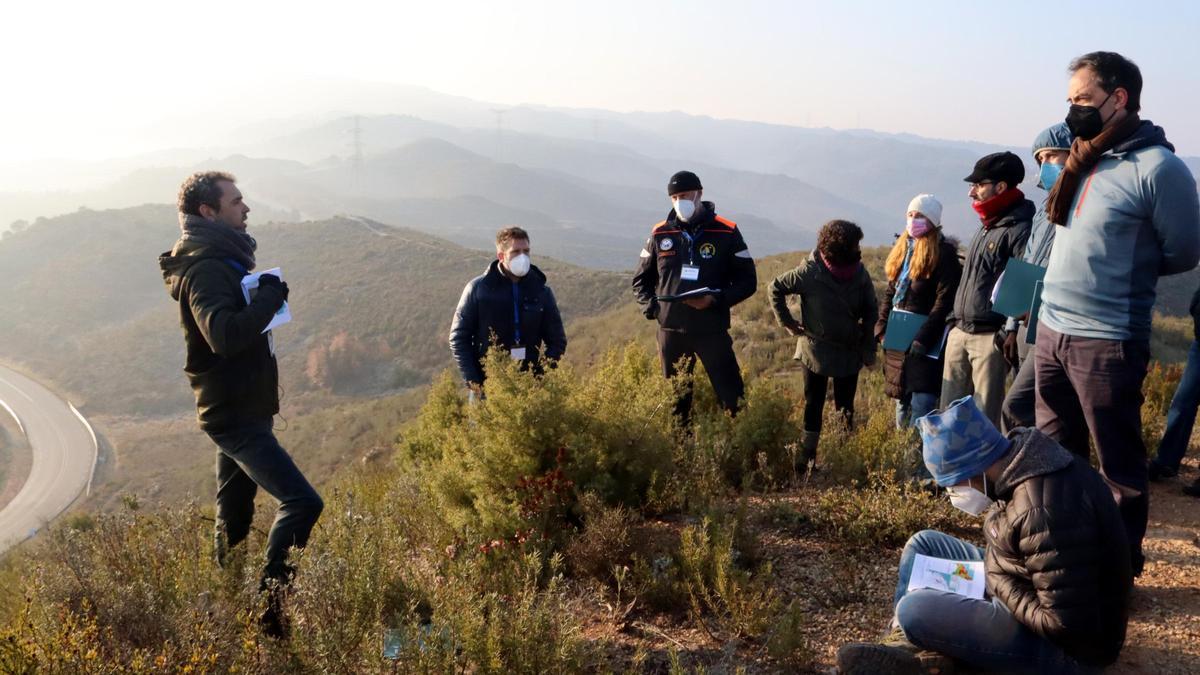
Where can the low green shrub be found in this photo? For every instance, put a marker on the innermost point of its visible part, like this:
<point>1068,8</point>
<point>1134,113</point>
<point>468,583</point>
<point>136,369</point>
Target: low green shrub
<point>737,602</point>
<point>758,447</point>
<point>874,447</point>
<point>517,461</point>
<point>883,513</point>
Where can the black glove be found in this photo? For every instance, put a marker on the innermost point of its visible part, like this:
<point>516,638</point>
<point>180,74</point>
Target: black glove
<point>650,311</point>
<point>272,281</point>
<point>917,349</point>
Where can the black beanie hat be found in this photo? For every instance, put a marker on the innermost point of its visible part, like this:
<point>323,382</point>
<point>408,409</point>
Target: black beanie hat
<point>684,181</point>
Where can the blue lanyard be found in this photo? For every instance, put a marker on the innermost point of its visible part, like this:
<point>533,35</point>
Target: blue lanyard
<point>237,266</point>
<point>516,315</point>
<point>690,244</point>
<point>904,280</point>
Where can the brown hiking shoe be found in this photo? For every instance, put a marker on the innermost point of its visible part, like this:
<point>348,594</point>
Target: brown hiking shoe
<point>869,658</point>
<point>932,663</point>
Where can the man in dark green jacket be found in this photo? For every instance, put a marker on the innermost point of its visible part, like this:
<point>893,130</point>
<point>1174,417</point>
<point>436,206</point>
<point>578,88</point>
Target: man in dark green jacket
<point>230,364</point>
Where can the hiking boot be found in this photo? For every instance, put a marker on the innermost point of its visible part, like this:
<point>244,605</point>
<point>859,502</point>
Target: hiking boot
<point>1192,490</point>
<point>868,658</point>
<point>932,663</point>
<point>274,622</point>
<point>808,450</point>
<point>1159,472</point>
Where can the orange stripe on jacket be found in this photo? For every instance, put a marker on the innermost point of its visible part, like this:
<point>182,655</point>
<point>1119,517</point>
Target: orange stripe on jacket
<point>726,222</point>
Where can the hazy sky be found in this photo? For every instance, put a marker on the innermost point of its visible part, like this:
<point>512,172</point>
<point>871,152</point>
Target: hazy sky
<point>93,80</point>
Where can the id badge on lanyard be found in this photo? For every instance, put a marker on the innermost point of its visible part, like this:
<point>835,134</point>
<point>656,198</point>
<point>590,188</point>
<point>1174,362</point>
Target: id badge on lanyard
<point>517,352</point>
<point>690,271</point>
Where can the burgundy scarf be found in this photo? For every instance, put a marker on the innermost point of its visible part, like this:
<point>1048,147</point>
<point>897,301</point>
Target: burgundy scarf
<point>842,273</point>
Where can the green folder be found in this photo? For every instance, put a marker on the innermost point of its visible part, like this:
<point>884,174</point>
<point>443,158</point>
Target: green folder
<point>902,329</point>
<point>1016,287</point>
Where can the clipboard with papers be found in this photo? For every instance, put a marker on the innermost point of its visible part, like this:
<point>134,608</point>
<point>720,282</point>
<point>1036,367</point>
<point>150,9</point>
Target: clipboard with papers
<point>694,293</point>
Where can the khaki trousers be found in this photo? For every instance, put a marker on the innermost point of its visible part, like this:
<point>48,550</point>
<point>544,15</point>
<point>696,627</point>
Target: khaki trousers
<point>974,367</point>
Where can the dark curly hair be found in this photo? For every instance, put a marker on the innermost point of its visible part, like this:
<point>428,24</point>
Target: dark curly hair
<point>1113,71</point>
<point>838,242</point>
<point>202,188</point>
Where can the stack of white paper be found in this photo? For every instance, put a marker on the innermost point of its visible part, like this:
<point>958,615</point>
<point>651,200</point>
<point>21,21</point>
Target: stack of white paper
<point>250,286</point>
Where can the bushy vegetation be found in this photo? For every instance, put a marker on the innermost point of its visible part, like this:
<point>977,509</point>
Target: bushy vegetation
<point>475,548</point>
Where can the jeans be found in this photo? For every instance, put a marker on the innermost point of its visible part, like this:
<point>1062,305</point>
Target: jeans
<point>981,633</point>
<point>1089,387</point>
<point>248,457</point>
<point>816,386</point>
<point>974,367</point>
<point>918,405</point>
<point>1181,417</point>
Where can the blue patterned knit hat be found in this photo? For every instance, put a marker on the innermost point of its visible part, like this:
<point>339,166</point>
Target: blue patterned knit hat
<point>960,442</point>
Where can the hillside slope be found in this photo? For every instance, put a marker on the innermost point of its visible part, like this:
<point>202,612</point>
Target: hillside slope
<point>372,305</point>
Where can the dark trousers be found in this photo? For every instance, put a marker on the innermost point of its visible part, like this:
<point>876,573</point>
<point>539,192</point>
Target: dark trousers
<point>815,388</point>
<point>715,351</point>
<point>1020,403</point>
<point>1093,387</point>
<point>248,457</point>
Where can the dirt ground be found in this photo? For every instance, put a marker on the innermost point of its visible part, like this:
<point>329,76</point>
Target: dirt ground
<point>845,595</point>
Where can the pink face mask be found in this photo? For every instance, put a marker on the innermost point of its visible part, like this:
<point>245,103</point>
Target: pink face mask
<point>919,227</point>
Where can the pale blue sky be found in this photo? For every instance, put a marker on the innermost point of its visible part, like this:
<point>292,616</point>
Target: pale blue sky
<point>101,79</point>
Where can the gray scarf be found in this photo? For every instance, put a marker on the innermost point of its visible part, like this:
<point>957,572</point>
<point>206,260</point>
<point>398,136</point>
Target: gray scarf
<point>233,243</point>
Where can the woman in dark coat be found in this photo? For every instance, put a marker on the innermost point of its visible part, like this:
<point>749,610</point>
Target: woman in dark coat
<point>923,273</point>
<point>837,303</point>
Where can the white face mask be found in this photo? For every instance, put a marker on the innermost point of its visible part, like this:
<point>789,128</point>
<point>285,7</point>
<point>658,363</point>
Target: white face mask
<point>519,265</point>
<point>969,500</point>
<point>685,209</point>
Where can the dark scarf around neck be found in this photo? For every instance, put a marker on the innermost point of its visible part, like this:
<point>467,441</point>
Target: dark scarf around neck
<point>232,243</point>
<point>1083,158</point>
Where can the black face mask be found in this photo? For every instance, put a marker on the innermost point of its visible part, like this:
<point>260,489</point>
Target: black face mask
<point>1085,122</point>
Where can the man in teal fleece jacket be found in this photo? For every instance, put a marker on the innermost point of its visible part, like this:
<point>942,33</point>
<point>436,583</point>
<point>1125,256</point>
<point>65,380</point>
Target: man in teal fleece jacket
<point>1128,213</point>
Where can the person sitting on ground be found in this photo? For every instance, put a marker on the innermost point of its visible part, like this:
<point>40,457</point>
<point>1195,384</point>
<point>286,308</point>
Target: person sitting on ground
<point>837,306</point>
<point>1057,561</point>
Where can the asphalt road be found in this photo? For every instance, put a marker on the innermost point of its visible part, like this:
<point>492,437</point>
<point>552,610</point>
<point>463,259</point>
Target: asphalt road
<point>63,455</point>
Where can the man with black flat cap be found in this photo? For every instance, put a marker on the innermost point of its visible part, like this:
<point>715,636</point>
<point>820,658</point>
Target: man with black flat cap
<point>975,364</point>
<point>695,252</point>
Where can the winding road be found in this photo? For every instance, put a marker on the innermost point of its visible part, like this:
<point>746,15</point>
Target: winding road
<point>64,454</point>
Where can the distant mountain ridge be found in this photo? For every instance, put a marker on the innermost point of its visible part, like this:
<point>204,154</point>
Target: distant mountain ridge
<point>589,182</point>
